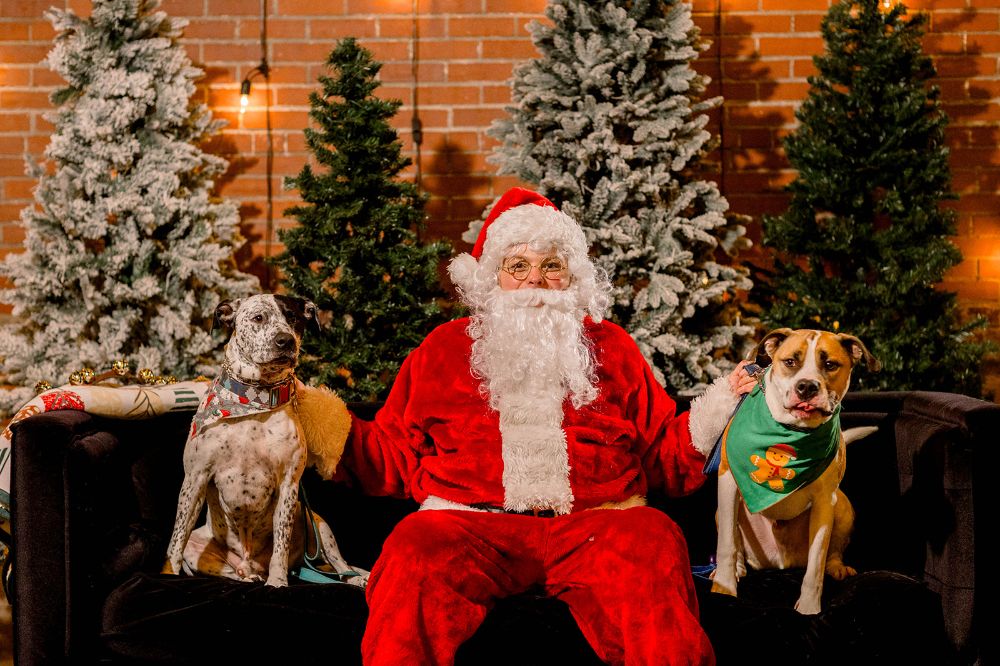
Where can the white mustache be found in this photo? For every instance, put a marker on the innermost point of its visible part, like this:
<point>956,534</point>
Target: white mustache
<point>561,300</point>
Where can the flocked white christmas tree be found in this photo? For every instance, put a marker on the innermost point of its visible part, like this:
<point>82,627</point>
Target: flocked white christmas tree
<point>127,251</point>
<point>609,124</point>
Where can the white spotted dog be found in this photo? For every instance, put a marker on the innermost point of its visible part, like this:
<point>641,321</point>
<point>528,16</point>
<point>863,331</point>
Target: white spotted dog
<point>783,457</point>
<point>246,453</point>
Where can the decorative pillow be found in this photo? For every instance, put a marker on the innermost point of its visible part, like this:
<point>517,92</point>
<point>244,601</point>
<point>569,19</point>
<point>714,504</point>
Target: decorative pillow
<point>123,402</point>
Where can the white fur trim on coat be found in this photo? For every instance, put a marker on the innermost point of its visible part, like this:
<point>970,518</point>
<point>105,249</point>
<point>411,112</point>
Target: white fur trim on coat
<point>435,503</point>
<point>535,455</point>
<point>710,412</point>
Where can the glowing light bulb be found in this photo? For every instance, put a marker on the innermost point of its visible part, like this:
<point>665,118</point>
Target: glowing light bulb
<point>244,95</point>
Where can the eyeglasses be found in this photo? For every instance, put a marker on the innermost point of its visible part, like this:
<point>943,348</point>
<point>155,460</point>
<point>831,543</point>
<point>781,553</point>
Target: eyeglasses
<point>551,268</point>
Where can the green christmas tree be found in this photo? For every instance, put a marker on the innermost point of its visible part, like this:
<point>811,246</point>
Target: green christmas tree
<point>127,251</point>
<point>865,238</point>
<point>356,253</point>
<point>609,123</point>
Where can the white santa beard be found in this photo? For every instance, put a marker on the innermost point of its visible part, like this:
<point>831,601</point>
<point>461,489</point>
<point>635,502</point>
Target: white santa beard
<point>531,353</point>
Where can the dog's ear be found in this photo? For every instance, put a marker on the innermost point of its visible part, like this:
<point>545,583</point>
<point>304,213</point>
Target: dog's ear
<point>768,344</point>
<point>300,312</point>
<point>311,313</point>
<point>857,350</point>
<point>225,313</point>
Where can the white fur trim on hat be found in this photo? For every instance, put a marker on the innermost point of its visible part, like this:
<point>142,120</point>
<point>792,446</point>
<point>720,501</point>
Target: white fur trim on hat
<point>533,225</point>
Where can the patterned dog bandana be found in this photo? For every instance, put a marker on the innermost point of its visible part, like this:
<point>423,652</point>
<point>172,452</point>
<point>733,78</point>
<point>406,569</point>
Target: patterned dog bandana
<point>771,460</point>
<point>229,398</point>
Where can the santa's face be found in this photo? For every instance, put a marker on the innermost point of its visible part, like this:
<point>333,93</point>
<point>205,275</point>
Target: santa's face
<point>527,268</point>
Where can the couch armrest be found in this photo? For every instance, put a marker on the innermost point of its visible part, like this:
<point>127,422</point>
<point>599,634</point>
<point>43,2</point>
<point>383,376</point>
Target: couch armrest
<point>93,499</point>
<point>945,452</point>
<point>947,458</point>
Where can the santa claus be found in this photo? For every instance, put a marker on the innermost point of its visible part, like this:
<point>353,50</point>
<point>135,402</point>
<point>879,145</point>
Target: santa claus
<point>529,433</point>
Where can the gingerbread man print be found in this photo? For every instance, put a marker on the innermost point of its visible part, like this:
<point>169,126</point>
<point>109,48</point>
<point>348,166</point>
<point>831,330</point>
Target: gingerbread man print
<point>771,468</point>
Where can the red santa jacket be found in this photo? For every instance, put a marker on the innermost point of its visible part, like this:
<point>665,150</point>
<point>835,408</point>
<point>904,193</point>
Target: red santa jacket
<point>437,436</point>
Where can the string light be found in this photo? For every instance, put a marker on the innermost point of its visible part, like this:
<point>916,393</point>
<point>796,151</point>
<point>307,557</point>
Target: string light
<point>244,95</point>
<point>261,69</point>
<point>416,125</point>
<point>887,7</point>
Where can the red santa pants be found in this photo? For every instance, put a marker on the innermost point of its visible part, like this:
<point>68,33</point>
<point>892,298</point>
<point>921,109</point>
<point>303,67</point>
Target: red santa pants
<point>624,574</point>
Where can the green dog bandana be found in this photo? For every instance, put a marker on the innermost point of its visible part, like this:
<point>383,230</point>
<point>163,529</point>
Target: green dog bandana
<point>771,460</point>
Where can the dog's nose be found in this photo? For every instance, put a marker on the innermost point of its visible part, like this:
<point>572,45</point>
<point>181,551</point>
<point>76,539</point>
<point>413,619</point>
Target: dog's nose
<point>806,388</point>
<point>284,341</point>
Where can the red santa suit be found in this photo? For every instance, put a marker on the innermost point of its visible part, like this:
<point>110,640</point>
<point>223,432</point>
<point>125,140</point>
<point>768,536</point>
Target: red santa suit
<point>436,438</point>
<point>620,566</point>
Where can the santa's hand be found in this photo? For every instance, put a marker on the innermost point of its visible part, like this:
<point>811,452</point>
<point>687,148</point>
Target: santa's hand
<point>741,382</point>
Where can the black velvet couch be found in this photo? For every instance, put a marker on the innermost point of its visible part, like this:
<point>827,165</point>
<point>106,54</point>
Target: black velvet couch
<point>94,501</point>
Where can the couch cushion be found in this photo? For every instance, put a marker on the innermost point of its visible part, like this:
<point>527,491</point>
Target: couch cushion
<point>872,617</point>
<point>160,619</point>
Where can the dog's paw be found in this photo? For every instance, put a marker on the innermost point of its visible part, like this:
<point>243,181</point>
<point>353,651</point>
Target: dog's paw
<point>807,606</point>
<point>719,588</point>
<point>275,580</point>
<point>172,566</point>
<point>355,576</point>
<point>839,571</point>
<point>741,568</point>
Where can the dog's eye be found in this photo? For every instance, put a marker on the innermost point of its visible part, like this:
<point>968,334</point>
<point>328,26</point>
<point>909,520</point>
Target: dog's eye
<point>257,318</point>
<point>789,362</point>
<point>831,366</point>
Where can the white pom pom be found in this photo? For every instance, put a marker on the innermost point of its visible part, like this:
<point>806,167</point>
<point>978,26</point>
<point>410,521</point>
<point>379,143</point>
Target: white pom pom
<point>462,270</point>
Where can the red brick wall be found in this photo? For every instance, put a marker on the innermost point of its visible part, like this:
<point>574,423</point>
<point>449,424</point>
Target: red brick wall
<point>759,61</point>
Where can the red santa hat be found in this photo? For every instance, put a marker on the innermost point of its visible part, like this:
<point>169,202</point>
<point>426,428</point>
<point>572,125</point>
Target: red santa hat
<point>519,216</point>
<point>512,198</point>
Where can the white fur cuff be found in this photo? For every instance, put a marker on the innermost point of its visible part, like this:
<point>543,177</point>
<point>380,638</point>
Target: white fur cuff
<point>710,413</point>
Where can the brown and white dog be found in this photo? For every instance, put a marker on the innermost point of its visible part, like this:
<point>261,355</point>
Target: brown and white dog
<point>810,526</point>
<point>247,451</point>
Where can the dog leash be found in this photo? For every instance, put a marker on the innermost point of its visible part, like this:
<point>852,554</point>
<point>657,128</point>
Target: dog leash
<point>715,457</point>
<point>315,568</point>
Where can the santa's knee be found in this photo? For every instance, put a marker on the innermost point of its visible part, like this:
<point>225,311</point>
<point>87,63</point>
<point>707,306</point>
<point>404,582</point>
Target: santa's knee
<point>422,549</point>
<point>644,523</point>
<point>649,540</point>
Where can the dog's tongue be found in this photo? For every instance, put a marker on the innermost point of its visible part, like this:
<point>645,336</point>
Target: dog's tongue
<point>804,407</point>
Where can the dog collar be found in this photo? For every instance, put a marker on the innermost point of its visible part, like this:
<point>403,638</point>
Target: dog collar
<point>266,397</point>
<point>771,460</point>
<point>229,398</point>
